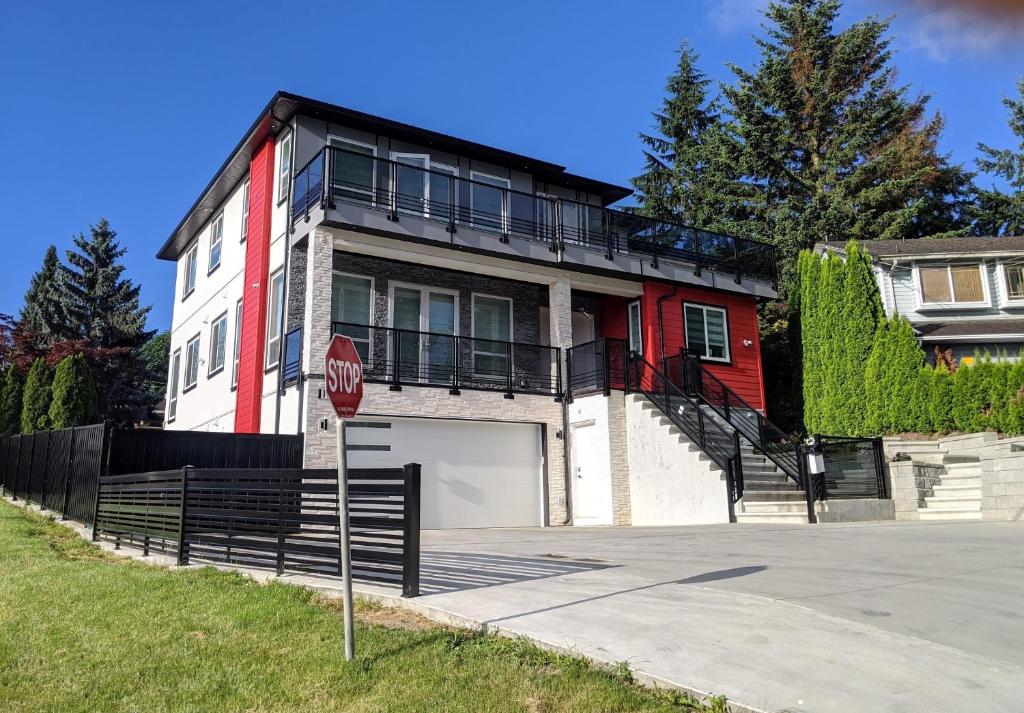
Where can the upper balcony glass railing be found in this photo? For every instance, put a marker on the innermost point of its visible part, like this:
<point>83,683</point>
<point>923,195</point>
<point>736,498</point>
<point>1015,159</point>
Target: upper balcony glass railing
<point>408,186</point>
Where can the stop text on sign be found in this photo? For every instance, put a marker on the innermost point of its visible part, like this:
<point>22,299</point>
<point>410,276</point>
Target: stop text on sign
<point>343,376</point>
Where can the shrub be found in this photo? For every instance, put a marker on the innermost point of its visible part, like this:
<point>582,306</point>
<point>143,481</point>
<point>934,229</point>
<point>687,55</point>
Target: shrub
<point>10,400</point>
<point>940,400</point>
<point>35,404</point>
<point>920,414</point>
<point>74,394</point>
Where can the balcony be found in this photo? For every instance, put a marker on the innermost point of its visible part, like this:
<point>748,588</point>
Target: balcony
<point>570,231</point>
<point>400,357</point>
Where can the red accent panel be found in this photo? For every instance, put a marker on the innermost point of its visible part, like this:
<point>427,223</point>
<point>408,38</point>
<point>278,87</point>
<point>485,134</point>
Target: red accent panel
<point>743,375</point>
<point>612,317</point>
<point>254,296</point>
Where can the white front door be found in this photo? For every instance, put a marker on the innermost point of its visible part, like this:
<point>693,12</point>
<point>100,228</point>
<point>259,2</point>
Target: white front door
<point>591,476</point>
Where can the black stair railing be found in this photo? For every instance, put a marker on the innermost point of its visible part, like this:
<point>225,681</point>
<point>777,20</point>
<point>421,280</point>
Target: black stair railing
<point>717,439</point>
<point>694,378</point>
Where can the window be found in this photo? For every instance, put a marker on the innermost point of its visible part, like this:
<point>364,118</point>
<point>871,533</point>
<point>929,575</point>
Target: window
<point>441,194</point>
<point>172,396</point>
<point>237,349</point>
<point>218,344</point>
<point>952,284</point>
<point>492,330</point>
<point>351,300</point>
<point>245,210</point>
<point>707,332</point>
<point>284,168</point>
<point>191,363</point>
<point>411,182</point>
<point>1014,276</point>
<point>355,170</point>
<point>216,241</point>
<point>487,202</point>
<point>275,313</point>
<point>636,343</point>
<point>191,265</point>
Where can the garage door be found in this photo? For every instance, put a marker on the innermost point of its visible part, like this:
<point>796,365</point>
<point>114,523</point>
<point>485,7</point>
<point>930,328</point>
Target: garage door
<point>475,473</point>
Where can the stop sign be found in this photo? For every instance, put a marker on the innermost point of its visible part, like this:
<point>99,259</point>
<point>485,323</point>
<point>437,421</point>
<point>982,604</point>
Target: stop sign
<point>343,375</point>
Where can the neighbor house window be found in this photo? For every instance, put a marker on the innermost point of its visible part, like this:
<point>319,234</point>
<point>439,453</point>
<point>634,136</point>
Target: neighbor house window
<point>707,332</point>
<point>636,342</point>
<point>218,344</point>
<point>354,174</point>
<point>216,241</point>
<point>191,265</point>
<point>1014,275</point>
<point>191,363</point>
<point>284,168</point>
<point>245,210</point>
<point>237,349</point>
<point>487,202</point>
<point>172,396</point>
<point>351,306</point>
<point>951,284</point>
<point>492,330</point>
<point>275,313</point>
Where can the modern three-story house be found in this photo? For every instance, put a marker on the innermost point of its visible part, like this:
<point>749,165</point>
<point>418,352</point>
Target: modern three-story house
<point>494,299</point>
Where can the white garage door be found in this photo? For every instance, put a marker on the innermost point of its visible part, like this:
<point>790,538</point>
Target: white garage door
<point>475,473</point>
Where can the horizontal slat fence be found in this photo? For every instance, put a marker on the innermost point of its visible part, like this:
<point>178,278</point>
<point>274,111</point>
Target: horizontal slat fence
<point>854,468</point>
<point>143,451</point>
<point>141,509</point>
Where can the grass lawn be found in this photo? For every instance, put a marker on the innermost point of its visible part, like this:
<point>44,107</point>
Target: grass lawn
<point>81,630</point>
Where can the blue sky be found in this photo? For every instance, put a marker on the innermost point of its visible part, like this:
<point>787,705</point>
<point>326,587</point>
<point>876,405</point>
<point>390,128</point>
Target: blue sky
<point>125,109</point>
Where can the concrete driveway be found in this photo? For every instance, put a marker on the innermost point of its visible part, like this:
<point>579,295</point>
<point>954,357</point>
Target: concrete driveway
<point>859,617</point>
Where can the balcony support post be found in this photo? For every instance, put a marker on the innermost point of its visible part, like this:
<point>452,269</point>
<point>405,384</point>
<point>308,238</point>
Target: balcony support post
<point>451,207</point>
<point>456,368</point>
<point>392,192</point>
<point>508,371</point>
<point>396,344</point>
<point>329,177</point>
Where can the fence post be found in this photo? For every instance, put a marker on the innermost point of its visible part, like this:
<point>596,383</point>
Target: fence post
<point>46,472</point>
<point>806,480</point>
<point>730,488</point>
<point>27,491</point>
<point>67,476</point>
<point>280,527</point>
<point>411,531</point>
<point>182,547</point>
<point>103,468</point>
<point>17,467</point>
<point>879,453</point>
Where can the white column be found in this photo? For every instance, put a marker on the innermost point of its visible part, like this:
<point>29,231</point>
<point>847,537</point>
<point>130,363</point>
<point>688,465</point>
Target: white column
<point>316,335</point>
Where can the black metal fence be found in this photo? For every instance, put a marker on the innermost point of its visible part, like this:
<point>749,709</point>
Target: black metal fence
<point>60,470</point>
<point>595,366</point>
<point>402,357</point>
<point>402,188</point>
<point>284,519</point>
<point>854,468</point>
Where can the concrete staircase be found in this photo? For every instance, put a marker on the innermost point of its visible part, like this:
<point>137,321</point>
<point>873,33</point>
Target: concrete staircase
<point>769,495</point>
<point>958,497</point>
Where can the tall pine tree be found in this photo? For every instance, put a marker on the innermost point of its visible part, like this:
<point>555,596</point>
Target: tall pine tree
<point>44,314</point>
<point>105,306</point>
<point>1000,211</point>
<point>831,145</point>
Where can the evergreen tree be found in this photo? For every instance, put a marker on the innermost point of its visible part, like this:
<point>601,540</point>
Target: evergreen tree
<point>74,394</point>
<point>1001,211</point>
<point>940,400</point>
<point>35,405</point>
<point>106,306</point>
<point>903,363</point>
<point>968,399</point>
<point>920,412</point>
<point>829,314</point>
<point>1011,414</point>
<point>10,400</point>
<point>810,337</point>
<point>875,413</point>
<point>830,145</point>
<point>860,310</point>
<point>44,314</point>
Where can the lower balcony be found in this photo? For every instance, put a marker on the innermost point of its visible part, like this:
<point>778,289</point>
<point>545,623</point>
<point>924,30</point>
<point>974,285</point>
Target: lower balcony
<point>401,357</point>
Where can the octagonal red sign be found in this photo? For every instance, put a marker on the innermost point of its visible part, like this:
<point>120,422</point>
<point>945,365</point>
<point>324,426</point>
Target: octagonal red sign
<point>343,376</point>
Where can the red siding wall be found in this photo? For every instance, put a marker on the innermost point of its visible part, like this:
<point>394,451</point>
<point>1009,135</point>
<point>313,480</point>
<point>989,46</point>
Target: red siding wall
<point>743,375</point>
<point>254,296</point>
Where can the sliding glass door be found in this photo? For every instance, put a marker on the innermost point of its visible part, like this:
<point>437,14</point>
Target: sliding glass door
<point>427,319</point>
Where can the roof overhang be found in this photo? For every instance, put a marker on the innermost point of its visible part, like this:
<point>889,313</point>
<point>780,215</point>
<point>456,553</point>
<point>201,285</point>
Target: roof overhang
<point>284,106</point>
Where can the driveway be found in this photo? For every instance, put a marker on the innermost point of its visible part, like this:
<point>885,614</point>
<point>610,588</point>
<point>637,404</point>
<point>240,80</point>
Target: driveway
<point>857,617</point>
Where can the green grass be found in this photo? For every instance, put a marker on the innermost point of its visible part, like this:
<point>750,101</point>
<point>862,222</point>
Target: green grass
<point>81,630</point>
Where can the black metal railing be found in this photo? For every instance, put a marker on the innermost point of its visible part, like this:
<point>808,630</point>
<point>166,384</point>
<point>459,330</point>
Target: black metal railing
<point>719,440</point>
<point>689,373</point>
<point>405,189</point>
<point>402,357</point>
<point>595,366</point>
<point>854,468</point>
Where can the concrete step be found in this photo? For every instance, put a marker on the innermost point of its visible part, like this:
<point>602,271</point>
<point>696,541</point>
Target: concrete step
<point>774,506</point>
<point>783,518</point>
<point>962,481</point>
<point>774,496</point>
<point>955,489</point>
<point>943,504</point>
<point>759,468</point>
<point>929,514</point>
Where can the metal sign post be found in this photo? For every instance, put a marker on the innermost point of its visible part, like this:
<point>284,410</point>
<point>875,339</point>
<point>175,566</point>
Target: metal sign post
<point>343,378</point>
